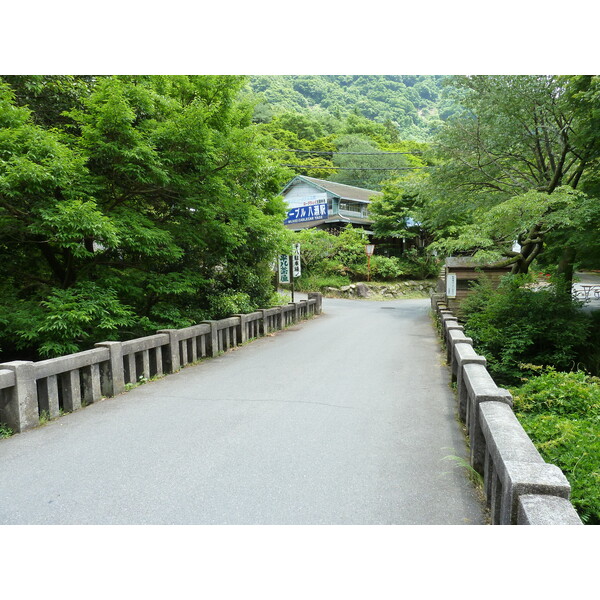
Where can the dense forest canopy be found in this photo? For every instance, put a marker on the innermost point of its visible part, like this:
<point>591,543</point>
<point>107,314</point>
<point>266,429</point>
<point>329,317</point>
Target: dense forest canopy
<point>129,204</point>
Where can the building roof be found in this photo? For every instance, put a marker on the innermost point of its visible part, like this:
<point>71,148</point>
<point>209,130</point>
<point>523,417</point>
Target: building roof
<point>341,190</point>
<point>468,262</point>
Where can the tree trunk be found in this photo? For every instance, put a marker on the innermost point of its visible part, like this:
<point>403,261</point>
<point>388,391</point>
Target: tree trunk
<point>565,269</point>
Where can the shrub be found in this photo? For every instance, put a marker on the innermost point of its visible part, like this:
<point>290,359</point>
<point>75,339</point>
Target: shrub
<point>344,254</point>
<point>386,268</point>
<point>561,414</point>
<point>420,266</point>
<point>589,356</point>
<point>516,324</point>
<point>574,394</point>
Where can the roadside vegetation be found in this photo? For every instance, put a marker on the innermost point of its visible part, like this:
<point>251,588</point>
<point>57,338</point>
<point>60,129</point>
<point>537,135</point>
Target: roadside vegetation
<point>561,413</point>
<point>339,260</point>
<point>546,350</point>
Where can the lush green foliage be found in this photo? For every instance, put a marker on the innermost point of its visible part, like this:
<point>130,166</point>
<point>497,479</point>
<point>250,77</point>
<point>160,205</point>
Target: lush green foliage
<point>413,105</point>
<point>518,324</point>
<point>561,414</point>
<point>508,165</point>
<point>146,202</point>
<point>334,260</point>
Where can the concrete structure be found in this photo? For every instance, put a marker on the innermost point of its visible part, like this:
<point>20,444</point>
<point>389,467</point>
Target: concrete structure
<point>520,488</point>
<point>346,204</point>
<point>29,390</point>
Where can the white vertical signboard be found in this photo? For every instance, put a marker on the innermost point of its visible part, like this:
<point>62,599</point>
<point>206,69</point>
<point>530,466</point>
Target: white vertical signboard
<point>296,267</point>
<point>284,268</point>
<point>451,285</point>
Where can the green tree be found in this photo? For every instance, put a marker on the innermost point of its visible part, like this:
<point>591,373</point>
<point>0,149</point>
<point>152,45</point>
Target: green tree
<point>151,202</point>
<point>517,141</point>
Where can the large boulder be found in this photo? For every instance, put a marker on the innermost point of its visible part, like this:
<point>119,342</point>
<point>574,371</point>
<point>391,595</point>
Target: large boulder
<point>362,291</point>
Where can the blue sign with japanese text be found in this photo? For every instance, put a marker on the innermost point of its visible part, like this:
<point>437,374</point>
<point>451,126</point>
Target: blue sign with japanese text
<point>314,212</point>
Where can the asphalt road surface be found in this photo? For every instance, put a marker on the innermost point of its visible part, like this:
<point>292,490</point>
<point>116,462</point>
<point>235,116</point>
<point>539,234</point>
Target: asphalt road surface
<point>347,418</point>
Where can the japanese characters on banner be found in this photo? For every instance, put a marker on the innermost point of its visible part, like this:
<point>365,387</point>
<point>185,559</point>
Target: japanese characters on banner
<point>284,268</point>
<point>296,268</point>
<point>300,214</point>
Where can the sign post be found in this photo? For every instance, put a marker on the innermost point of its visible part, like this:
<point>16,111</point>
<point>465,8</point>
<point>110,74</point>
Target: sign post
<point>369,249</point>
<point>284,268</point>
<point>296,267</point>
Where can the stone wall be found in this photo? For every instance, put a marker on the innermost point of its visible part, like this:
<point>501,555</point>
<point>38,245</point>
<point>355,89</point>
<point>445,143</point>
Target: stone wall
<point>391,291</point>
<point>29,390</point>
<point>520,488</point>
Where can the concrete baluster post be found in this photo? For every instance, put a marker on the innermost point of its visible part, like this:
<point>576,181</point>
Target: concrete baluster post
<point>21,411</point>
<point>48,396</point>
<point>264,322</point>
<point>172,349</point>
<point>213,339</point>
<point>184,358</point>
<point>278,317</point>
<point>319,298</point>
<point>113,381</point>
<point>146,363</point>
<point>91,383</point>
<point>132,367</point>
<point>242,328</point>
<point>158,361</point>
<point>71,390</point>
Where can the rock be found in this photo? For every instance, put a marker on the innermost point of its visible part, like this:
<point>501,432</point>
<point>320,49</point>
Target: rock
<point>331,290</point>
<point>362,291</point>
<point>345,288</point>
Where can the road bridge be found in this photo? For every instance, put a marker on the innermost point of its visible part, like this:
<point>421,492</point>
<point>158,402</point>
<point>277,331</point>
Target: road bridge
<point>347,418</point>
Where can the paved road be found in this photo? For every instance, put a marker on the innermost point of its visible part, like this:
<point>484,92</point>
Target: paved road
<point>343,419</point>
<point>582,282</point>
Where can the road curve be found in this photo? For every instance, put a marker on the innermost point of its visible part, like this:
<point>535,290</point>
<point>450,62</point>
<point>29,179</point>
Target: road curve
<point>347,418</point>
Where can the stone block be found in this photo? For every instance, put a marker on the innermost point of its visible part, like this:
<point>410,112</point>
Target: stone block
<point>362,291</point>
<point>505,441</point>
<point>546,510</point>
<point>455,336</point>
<point>464,354</point>
<point>480,388</point>
<point>20,407</point>
<point>526,479</point>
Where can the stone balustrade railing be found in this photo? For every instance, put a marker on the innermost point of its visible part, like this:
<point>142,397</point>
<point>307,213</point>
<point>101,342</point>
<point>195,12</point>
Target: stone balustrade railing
<point>520,488</point>
<point>29,390</point>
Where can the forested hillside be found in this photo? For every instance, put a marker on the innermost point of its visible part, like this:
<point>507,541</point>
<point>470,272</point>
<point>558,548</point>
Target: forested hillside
<point>360,130</point>
<point>413,104</point>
